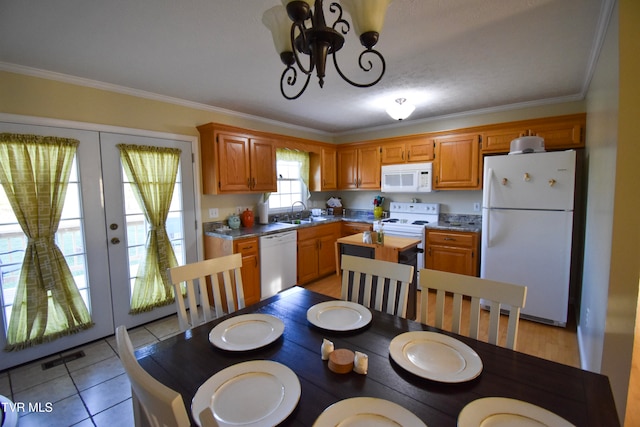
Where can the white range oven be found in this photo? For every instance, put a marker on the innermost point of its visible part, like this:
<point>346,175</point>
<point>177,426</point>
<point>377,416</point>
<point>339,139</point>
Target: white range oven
<point>409,220</point>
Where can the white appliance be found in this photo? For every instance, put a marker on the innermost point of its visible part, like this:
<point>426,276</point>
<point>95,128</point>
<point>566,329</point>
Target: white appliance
<point>409,220</point>
<point>407,178</point>
<point>527,223</point>
<point>278,269</point>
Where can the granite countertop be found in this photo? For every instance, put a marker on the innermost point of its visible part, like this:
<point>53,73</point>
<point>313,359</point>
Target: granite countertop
<point>457,222</point>
<point>472,227</point>
<point>213,229</point>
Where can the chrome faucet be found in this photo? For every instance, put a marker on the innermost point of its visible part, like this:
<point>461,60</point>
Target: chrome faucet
<point>304,207</point>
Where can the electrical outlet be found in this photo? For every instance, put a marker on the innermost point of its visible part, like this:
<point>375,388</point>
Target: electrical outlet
<point>238,210</point>
<point>476,207</point>
<point>213,213</point>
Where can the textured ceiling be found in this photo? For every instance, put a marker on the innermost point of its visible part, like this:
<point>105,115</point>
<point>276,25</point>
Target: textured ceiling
<point>444,56</point>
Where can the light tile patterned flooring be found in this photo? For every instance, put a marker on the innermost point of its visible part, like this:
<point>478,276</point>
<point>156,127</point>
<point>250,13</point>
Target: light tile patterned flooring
<point>90,391</point>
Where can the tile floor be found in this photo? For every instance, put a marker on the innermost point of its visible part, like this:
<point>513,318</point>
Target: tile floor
<point>90,391</point>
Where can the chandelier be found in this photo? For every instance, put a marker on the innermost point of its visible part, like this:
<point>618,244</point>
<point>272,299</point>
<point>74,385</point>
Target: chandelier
<point>299,28</point>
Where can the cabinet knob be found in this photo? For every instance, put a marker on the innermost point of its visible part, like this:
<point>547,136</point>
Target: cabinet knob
<point>526,177</point>
<point>115,241</point>
<point>505,181</point>
<point>552,182</point>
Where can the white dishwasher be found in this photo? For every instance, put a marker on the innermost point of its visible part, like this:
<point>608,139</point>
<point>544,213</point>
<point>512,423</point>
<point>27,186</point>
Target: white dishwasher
<point>278,262</point>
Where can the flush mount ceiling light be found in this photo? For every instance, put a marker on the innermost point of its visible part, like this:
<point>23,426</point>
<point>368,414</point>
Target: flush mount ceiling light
<point>301,24</point>
<point>400,110</point>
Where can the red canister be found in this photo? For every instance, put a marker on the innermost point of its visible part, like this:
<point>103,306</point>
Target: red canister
<point>247,218</point>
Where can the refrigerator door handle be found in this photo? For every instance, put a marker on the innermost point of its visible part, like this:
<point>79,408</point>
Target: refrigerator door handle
<point>486,195</point>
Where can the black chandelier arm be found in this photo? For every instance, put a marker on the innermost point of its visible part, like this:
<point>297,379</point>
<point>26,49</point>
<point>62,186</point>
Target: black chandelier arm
<point>290,76</point>
<point>344,24</point>
<point>365,66</point>
<point>303,42</point>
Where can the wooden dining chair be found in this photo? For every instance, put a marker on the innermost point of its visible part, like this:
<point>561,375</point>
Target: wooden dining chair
<point>493,294</point>
<point>154,404</point>
<point>381,285</point>
<point>228,296</point>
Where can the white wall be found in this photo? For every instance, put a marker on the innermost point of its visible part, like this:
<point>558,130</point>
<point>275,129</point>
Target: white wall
<point>602,140</point>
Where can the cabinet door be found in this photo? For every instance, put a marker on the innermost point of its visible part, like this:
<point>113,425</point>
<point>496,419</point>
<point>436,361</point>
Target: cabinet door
<point>250,269</point>
<point>419,149</point>
<point>307,260</point>
<point>499,140</point>
<point>451,259</point>
<point>560,135</point>
<point>393,154</point>
<point>457,162</point>
<point>234,163</point>
<point>369,168</point>
<point>347,168</point>
<point>329,170</point>
<point>326,254</point>
<point>263,165</point>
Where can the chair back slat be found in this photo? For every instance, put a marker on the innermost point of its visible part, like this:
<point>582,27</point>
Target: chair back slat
<point>495,295</point>
<point>202,273</point>
<point>384,284</point>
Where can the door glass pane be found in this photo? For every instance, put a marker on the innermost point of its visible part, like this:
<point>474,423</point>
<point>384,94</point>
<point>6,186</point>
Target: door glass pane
<point>69,238</point>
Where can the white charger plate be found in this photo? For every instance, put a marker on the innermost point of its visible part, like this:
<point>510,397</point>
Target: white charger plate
<point>246,332</point>
<point>367,412</point>
<point>502,411</point>
<point>249,394</point>
<point>339,315</point>
<point>435,356</point>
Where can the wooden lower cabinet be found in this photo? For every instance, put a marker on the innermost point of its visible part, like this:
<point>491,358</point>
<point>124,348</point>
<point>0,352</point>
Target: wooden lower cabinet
<point>316,251</point>
<point>452,251</point>
<point>215,247</point>
<point>349,228</point>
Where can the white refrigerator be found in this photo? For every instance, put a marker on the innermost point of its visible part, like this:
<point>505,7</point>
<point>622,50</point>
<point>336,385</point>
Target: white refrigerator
<point>527,224</point>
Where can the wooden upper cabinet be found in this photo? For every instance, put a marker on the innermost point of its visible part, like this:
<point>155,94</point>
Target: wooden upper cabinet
<point>233,162</point>
<point>263,165</point>
<point>323,170</point>
<point>406,150</point>
<point>348,168</point>
<point>564,132</point>
<point>457,162</point>
<point>359,168</point>
<point>236,162</point>
<point>369,168</point>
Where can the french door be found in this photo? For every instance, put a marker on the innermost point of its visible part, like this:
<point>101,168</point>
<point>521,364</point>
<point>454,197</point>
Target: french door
<point>102,234</point>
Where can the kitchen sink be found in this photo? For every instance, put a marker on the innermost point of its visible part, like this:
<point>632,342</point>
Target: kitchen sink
<point>309,220</point>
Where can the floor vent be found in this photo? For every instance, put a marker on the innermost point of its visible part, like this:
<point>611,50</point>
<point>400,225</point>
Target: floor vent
<point>68,358</point>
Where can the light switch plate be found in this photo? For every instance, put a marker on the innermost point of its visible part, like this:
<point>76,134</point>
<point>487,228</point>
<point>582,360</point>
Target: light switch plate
<point>213,213</point>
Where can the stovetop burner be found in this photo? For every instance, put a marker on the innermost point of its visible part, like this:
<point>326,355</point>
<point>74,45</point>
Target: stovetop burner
<point>420,222</point>
<point>391,220</point>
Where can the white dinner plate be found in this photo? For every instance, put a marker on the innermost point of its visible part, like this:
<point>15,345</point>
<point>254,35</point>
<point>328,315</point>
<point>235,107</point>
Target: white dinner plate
<point>367,412</point>
<point>246,332</point>
<point>435,356</point>
<point>501,411</point>
<point>250,394</point>
<point>339,315</point>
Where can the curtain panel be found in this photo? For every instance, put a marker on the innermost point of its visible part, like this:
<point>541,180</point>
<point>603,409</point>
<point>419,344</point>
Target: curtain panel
<point>152,172</point>
<point>34,172</point>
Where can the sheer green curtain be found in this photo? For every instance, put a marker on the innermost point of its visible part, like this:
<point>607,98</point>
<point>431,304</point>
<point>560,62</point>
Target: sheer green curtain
<point>34,172</point>
<point>152,172</point>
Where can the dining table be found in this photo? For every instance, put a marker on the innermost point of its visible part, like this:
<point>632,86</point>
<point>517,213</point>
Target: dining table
<point>187,360</point>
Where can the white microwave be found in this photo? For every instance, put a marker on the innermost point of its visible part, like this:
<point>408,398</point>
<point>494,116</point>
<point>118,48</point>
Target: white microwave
<point>407,178</point>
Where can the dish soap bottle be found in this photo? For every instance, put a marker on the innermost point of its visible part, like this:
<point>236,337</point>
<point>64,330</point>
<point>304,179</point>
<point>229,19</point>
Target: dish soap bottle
<point>381,234</point>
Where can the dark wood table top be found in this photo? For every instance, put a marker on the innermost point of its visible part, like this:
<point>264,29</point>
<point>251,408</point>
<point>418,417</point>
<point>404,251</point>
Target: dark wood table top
<point>186,361</point>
